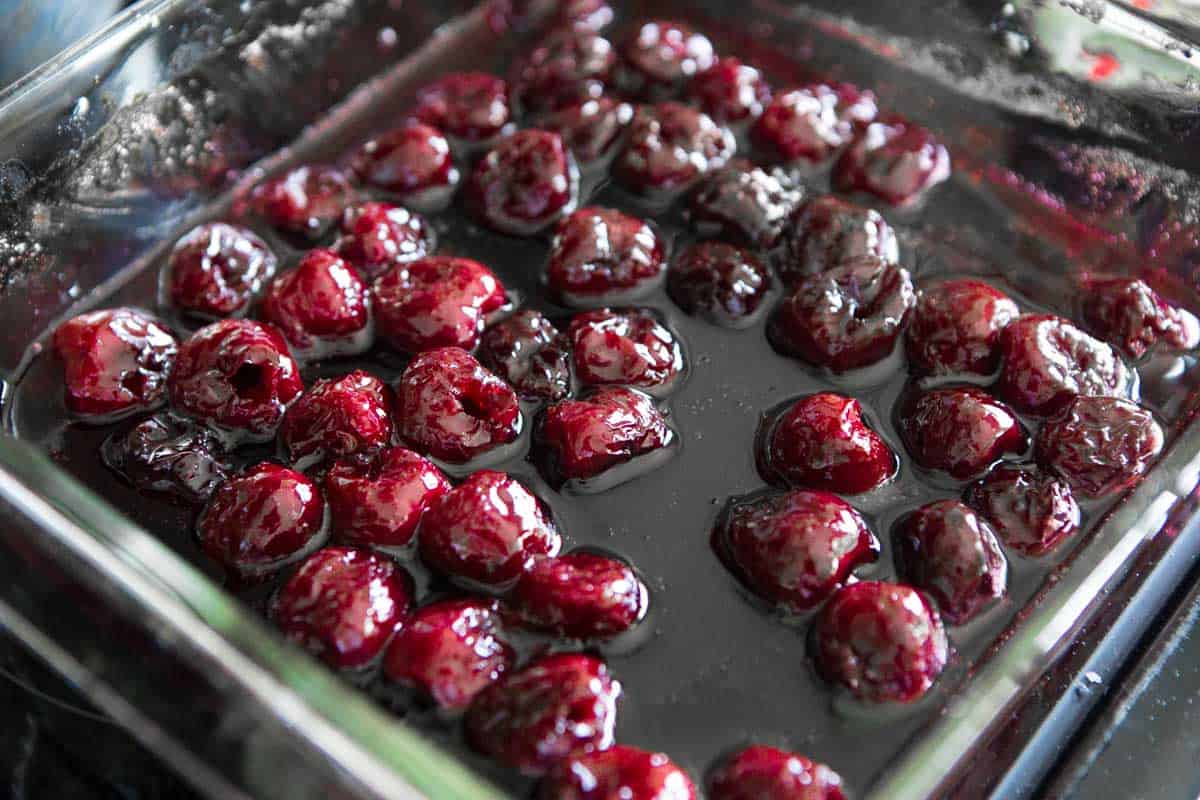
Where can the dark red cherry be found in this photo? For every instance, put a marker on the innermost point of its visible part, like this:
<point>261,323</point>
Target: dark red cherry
<point>450,651</point>
<point>822,442</point>
<point>760,772</point>
<point>116,362</point>
<point>322,307</point>
<point>794,549</point>
<point>471,106</point>
<point>215,270</point>
<point>718,282</point>
<point>529,352</point>
<point>1046,361</point>
<point>338,417</point>
<point>671,147</point>
<point>1132,316</point>
<point>343,605</point>
<point>1030,510</point>
<point>436,301</point>
<point>602,255</point>
<point>629,347</point>
<point>377,499</point>
<point>619,773</point>
<point>261,520</point>
<point>826,232</point>
<point>1099,445</point>
<point>894,160</point>
<point>560,706</point>
<point>955,328</point>
<point>744,203</point>
<point>730,91</point>
<point>580,596</point>
<point>811,124</point>
<point>961,431</point>
<point>237,377</point>
<point>846,317</point>
<point>305,201</point>
<point>168,456</point>
<point>377,236</point>
<point>526,182</point>
<point>413,162</point>
<point>569,66</point>
<point>659,58</point>
<point>589,129</point>
<point>883,642</point>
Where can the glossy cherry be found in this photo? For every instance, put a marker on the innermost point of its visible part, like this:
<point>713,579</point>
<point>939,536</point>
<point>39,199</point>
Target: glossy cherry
<point>589,129</point>
<point>580,596</point>
<point>955,328</point>
<point>660,56</point>
<point>525,183</point>
<point>760,772</point>
<point>828,231</point>
<point>376,236</point>
<point>322,307</point>
<point>730,91</point>
<point>1132,316</point>
<point>471,106</point>
<point>628,347</point>
<point>568,66</point>
<point>894,160</point>
<point>1099,445</point>
<point>961,431</point>
<point>811,124</point>
<point>436,301</point>
<point>168,456</point>
<point>721,283</point>
<point>377,499</point>
<point>1030,510</point>
<point>338,417</point>
<point>671,146</point>
<point>744,203</point>
<point>413,162</point>
<point>603,255</point>
<point>305,201</point>
<point>215,270</point>
<point>617,773</point>
<point>531,354</point>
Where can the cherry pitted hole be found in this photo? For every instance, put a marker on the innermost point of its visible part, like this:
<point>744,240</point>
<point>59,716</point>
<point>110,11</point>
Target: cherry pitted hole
<point>338,417</point>
<point>322,307</point>
<point>1047,360</point>
<point>486,531</point>
<point>625,347</point>
<point>659,58</point>
<point>216,269</point>
<point>305,201</point>
<point>580,596</point>
<point>949,551</point>
<point>894,160</point>
<point>955,328</point>
<point>377,499</point>
<point>168,456</point>
<point>846,317</point>
<point>600,253</point>
<point>794,549</point>
<point>760,772</point>
<point>822,442</point>
<point>589,129</point>
<point>560,706</point>
<point>436,301</point>
<point>1099,445</point>
<point>376,236</point>
<point>470,106</point>
<point>581,439</point>
<point>525,183</point>
<point>343,605</point>
<point>1132,316</point>
<point>237,377</point>
<point>718,282</point>
<point>450,651</point>
<point>730,91</point>
<point>568,66</point>
<point>619,772</point>
<point>827,231</point>
<point>531,354</point>
<point>811,124</point>
<point>881,642</point>
<point>671,146</point>
<point>116,362</point>
<point>961,431</point>
<point>412,162</point>
<point>744,203</point>
<point>262,519</point>
<point>1031,510</point>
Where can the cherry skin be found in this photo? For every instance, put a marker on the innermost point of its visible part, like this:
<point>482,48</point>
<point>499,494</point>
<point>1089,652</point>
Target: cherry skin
<point>794,549</point>
<point>822,442</point>
<point>618,772</point>
<point>760,772</point>
<point>629,347</point>
<point>471,106</point>
<point>338,417</point>
<point>560,706</point>
<point>567,67</point>
<point>450,651</point>
<point>1030,510</point>
<point>436,301</point>
<point>730,91</point>
<point>955,328</point>
<point>168,456</point>
<point>525,183</point>
<point>413,162</point>
<point>1099,445</point>
<point>1132,316</point>
<point>529,353</point>
<point>882,642</point>
<point>960,431</point>
<point>304,201</point>
<point>343,605</point>
<point>579,596</point>
<point>322,307</point>
<point>215,270</point>
<point>721,283</point>
<point>376,236</point>
<point>826,232</point>
<point>894,160</point>
<point>453,409</point>
<point>487,531</point>
<point>949,551</point>
<point>602,255</point>
<point>812,124</point>
<point>660,56</point>
<point>377,499</point>
<point>743,203</point>
<point>671,147</point>
<point>589,129</point>
<point>116,362</point>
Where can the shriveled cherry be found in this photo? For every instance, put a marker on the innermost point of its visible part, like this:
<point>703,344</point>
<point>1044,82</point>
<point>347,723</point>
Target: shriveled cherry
<point>1099,445</point>
<point>894,160</point>
<point>660,56</point>
<point>760,772</point>
<point>322,307</point>
<point>603,255</point>
<point>337,417</point>
<point>827,231</point>
<point>961,431</point>
<point>376,236</point>
<point>530,353</point>
<point>471,106</point>
<point>813,123</point>
<point>1031,510</point>
<point>730,91</point>
<point>168,456</point>
<point>617,773</point>
<point>955,328</point>
<point>1132,316</point>
<point>526,182</point>
<point>580,596</point>
<point>589,129</point>
<point>304,201</point>
<point>215,270</point>
<point>671,147</point>
<point>719,282</point>
<point>377,499</point>
<point>568,66</point>
<point>413,162</point>
<point>436,301</point>
<point>745,203</point>
<point>629,347</point>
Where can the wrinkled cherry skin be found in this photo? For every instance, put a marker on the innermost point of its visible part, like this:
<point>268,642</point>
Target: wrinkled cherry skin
<point>377,499</point>
<point>760,772</point>
<point>579,596</point>
<point>1132,316</point>
<point>955,328</point>
<point>812,124</point>
<point>215,270</point>
<point>413,162</point>
<point>343,605</point>
<point>526,182</point>
<point>846,317</point>
<point>660,57</point>
<point>168,456</point>
<point>338,417</point>
<point>453,409</point>
<point>601,252</point>
<point>322,306</point>
<point>486,531</point>
<point>1047,360</point>
<point>437,301</point>
<point>376,236</point>
<point>568,66</point>
<point>894,160</point>
<point>730,91</point>
<point>719,282</point>
<point>961,431</point>
<point>822,442</point>
<point>589,129</point>
<point>883,642</point>
<point>116,362</point>
<point>671,146</point>
<point>450,651</point>
<point>827,231</point>
<point>946,549</point>
<point>237,377</point>
<point>744,203</point>
<point>629,347</point>
<point>1031,511</point>
<point>304,201</point>
<point>617,773</point>
<point>471,106</point>
<point>1099,445</point>
<point>560,706</point>
<point>794,549</point>
<point>262,519</point>
<point>531,354</point>
<point>580,439</point>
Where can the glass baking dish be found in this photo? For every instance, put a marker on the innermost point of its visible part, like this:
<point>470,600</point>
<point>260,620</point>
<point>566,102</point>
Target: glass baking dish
<point>154,121</point>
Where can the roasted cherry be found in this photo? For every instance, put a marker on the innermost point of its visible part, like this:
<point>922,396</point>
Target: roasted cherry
<point>215,270</point>
<point>744,203</point>
<point>1030,510</point>
<point>322,307</point>
<point>338,417</point>
<point>615,774</point>
<point>811,124</point>
<point>659,58</point>
<point>377,499</point>
<point>730,91</point>
<point>377,236</point>
<point>760,772</point>
<point>531,354</point>
<point>602,255</point>
<point>305,201</point>
<point>1132,316</point>
<point>437,301</point>
<point>671,146</point>
<point>1099,445</point>
<point>955,328</point>
<point>719,282</point>
<point>580,596</point>
<point>471,106</point>
<point>526,182</point>
<point>590,129</point>
<point>629,347</point>
<point>960,431</point>
<point>168,456</point>
<point>413,162</point>
<point>893,160</point>
<point>827,231</point>
<point>568,66</point>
